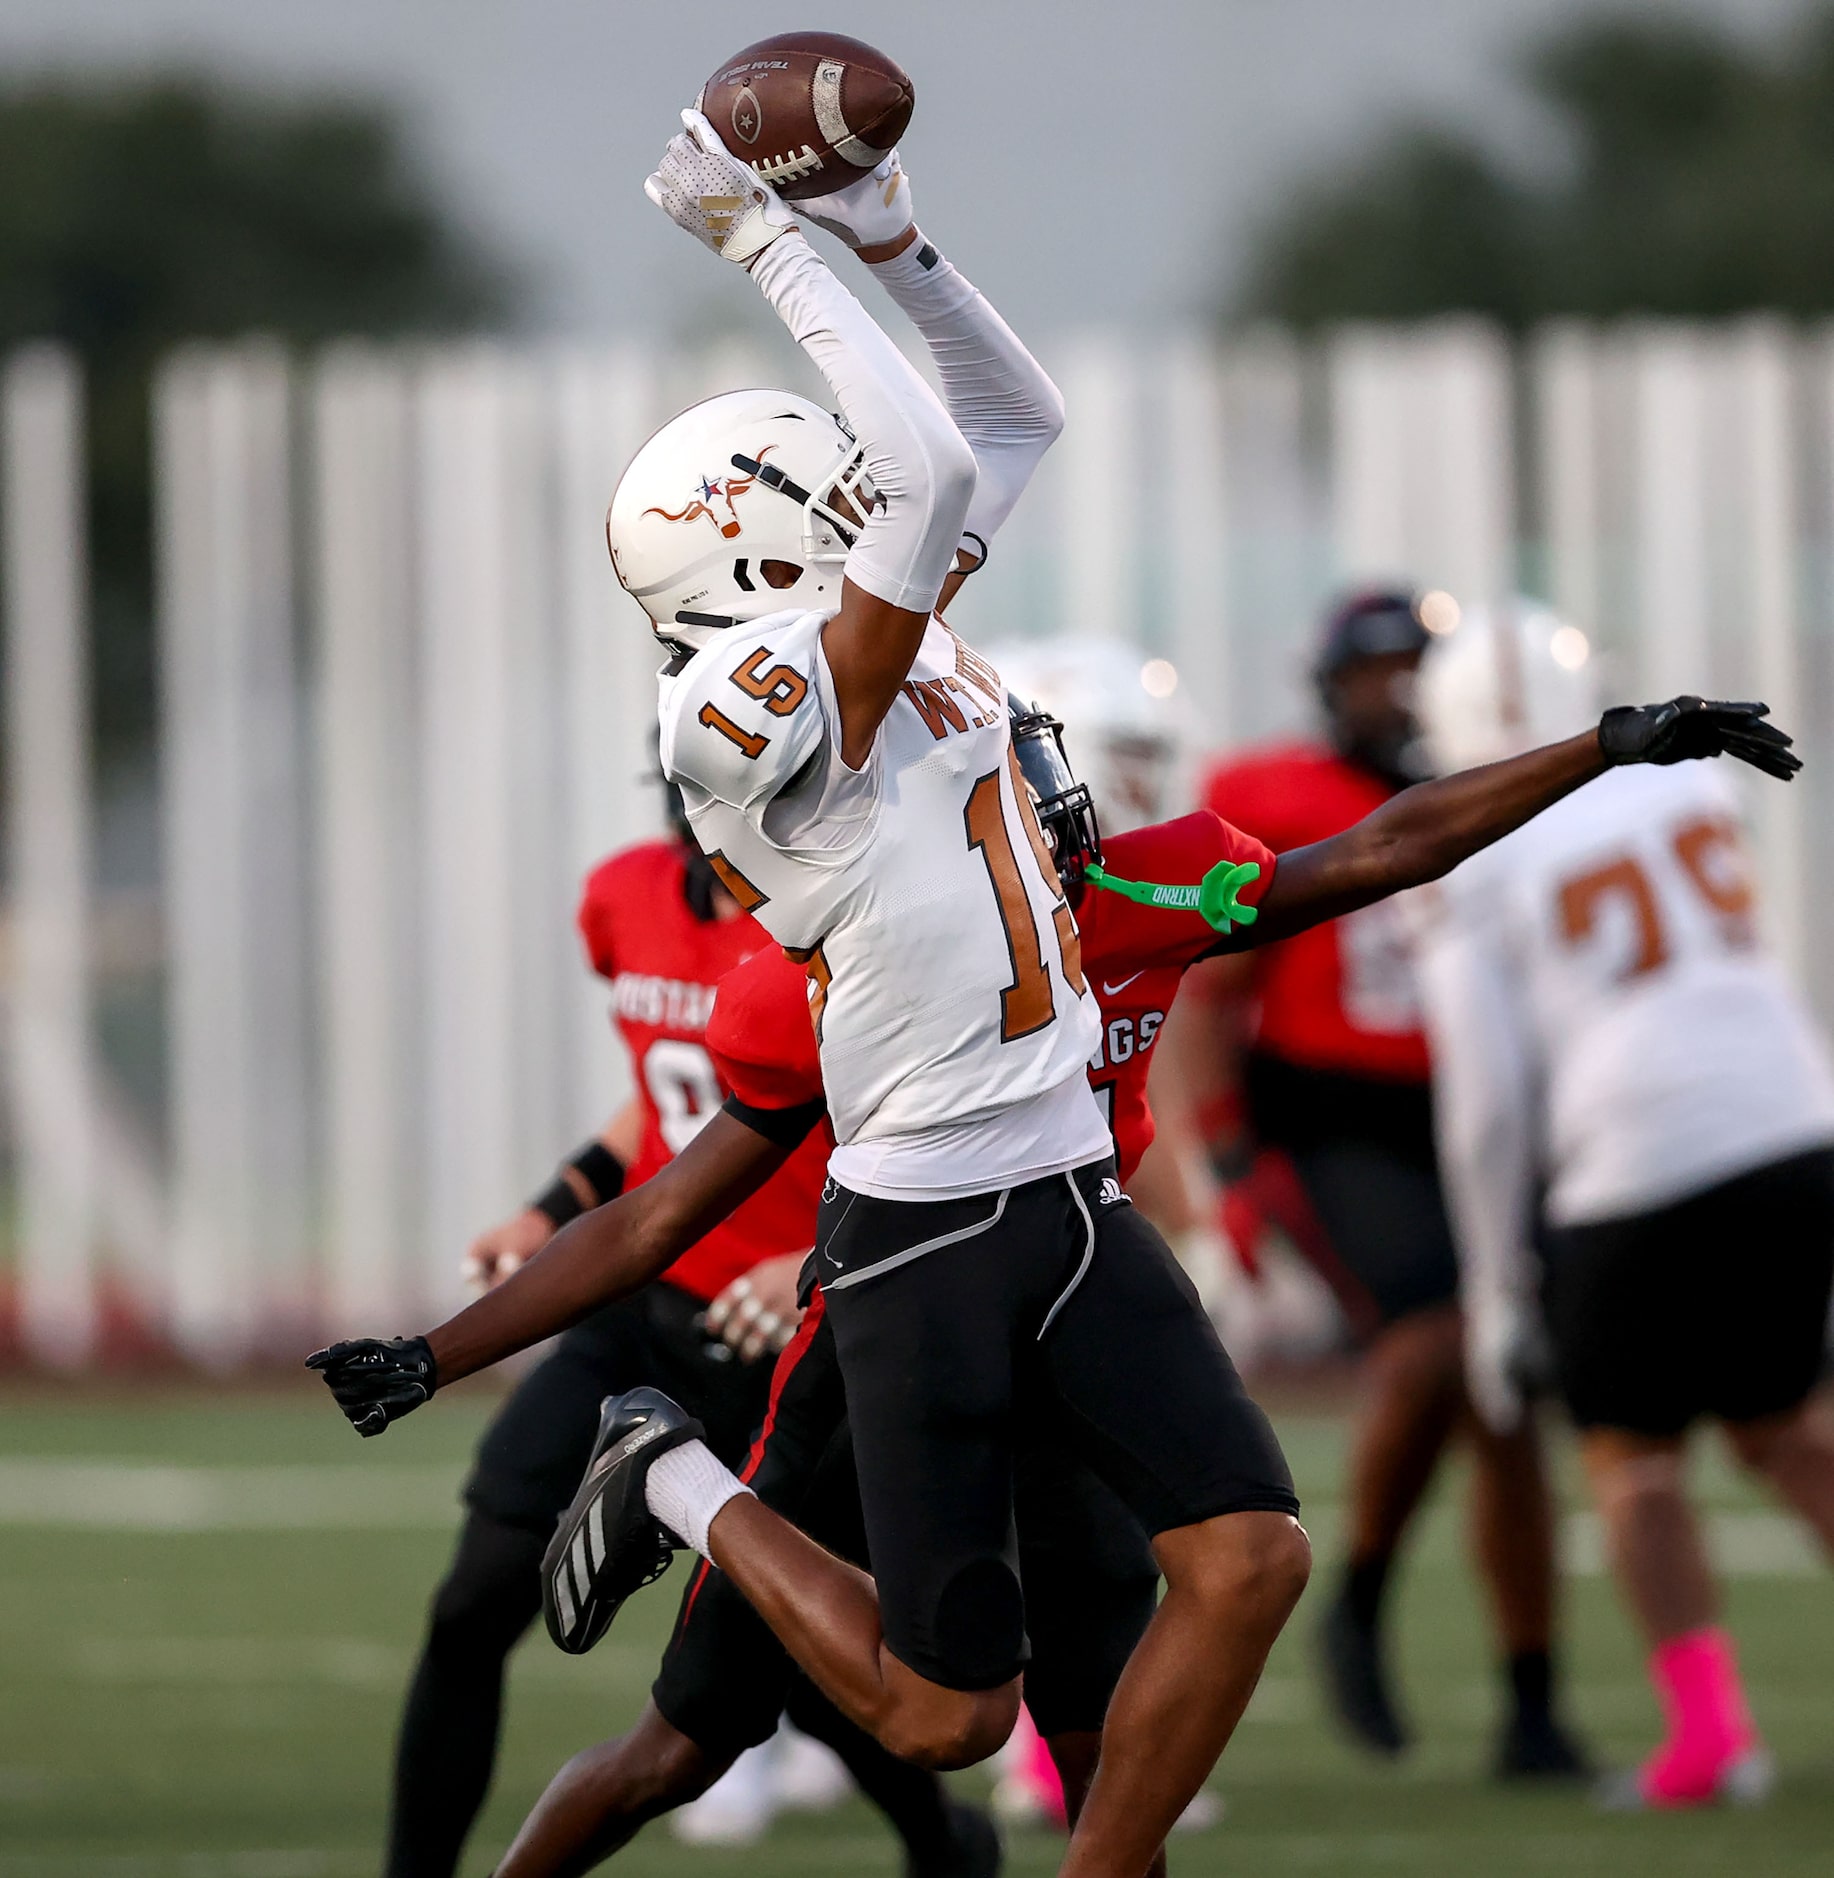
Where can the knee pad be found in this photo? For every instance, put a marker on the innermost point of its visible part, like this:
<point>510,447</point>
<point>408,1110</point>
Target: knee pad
<point>980,1625</point>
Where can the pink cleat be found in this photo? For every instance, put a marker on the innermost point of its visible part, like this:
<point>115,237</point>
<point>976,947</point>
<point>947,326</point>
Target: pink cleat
<point>1712,1750</point>
<point>1030,1789</point>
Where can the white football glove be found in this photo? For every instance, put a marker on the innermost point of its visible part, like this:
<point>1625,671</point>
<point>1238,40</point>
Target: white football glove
<point>700,186</point>
<point>868,213</point>
<point>1507,1359</point>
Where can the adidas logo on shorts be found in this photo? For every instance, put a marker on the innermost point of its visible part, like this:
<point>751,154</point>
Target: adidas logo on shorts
<point>1112,1193</point>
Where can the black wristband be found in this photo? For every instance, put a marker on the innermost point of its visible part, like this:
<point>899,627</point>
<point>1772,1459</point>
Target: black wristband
<point>558,1200</point>
<point>601,1170</point>
<point>1621,732</point>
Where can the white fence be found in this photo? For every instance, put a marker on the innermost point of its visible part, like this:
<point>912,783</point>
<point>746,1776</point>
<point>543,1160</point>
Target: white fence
<point>404,707</point>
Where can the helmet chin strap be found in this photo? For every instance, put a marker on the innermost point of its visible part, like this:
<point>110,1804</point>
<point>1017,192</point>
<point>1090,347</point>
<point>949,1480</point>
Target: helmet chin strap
<point>774,478</point>
<point>1216,896</point>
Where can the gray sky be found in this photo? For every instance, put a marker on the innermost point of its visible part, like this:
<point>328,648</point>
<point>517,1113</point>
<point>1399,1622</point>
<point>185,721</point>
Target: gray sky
<point>1085,162</point>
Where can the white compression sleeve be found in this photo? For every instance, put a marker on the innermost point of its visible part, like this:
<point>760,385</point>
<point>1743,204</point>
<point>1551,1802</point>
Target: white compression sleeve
<point>1001,398</point>
<point>1484,1103</point>
<point>918,460</point>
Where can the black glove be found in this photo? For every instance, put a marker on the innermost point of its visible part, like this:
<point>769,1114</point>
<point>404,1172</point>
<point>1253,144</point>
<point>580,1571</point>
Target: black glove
<point>1691,727</point>
<point>375,1382</point>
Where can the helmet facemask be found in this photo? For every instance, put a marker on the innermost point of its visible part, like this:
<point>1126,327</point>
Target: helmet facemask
<point>1064,806</point>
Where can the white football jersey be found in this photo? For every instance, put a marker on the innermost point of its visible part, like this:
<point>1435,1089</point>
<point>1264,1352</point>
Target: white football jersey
<point>944,965</point>
<point>1599,974</point>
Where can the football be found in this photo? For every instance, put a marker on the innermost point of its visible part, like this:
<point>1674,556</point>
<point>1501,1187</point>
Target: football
<point>810,112</point>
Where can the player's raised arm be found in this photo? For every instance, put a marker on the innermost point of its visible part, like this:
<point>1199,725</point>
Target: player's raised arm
<point>921,469</point>
<point>605,1254</point>
<point>1001,399</point>
<point>1424,832</point>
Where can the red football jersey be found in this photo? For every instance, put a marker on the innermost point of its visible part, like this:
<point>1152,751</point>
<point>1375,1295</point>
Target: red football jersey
<point>763,1038</point>
<point>1341,996</point>
<point>662,964</point>
<point>1133,956</point>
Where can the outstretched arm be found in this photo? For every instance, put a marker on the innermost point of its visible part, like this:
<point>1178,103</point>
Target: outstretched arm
<point>602,1256</point>
<point>612,1251</point>
<point>590,1178</point>
<point>922,470</point>
<point>1419,835</point>
<point>1424,832</point>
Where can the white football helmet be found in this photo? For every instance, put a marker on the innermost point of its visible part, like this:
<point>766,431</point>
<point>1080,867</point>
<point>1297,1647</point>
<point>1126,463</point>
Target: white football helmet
<point>1502,680</point>
<point>734,482</point>
<point>1123,725</point>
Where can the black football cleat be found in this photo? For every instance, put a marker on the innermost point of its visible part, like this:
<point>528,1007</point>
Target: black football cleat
<point>608,1543</point>
<point>1356,1680</point>
<point>1537,1748</point>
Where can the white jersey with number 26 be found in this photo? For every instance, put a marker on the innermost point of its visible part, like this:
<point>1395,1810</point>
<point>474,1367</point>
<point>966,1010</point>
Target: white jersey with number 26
<point>944,966</point>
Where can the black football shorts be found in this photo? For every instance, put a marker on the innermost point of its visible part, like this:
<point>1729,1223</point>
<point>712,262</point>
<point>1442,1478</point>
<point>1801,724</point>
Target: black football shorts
<point>1714,1306</point>
<point>1090,1580</point>
<point>1385,1220</point>
<point>1363,1150</point>
<point>1052,1306</point>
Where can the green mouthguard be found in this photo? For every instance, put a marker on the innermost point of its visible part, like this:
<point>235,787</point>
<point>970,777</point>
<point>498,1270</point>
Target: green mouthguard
<point>1216,896</point>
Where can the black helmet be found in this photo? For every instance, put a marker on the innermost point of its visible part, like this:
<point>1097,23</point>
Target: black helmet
<point>1065,809</point>
<point>1369,624</point>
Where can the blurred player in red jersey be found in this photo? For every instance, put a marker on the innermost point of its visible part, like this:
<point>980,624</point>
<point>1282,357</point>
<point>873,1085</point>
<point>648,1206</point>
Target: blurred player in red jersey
<point>659,928</point>
<point>1310,1072</point>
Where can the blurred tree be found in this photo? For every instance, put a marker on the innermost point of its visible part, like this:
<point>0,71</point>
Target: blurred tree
<point>1698,179</point>
<point>132,218</point>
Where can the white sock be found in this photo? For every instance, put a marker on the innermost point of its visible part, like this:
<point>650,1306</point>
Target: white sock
<point>686,1487</point>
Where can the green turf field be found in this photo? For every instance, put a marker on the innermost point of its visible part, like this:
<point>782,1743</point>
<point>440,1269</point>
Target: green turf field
<point>207,1608</point>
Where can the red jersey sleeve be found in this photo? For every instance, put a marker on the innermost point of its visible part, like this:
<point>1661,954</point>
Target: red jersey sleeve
<point>1172,854</point>
<point>597,916</point>
<point>760,1035</point>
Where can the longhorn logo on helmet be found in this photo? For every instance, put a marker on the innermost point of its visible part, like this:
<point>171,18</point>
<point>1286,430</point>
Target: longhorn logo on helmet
<point>711,490</point>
